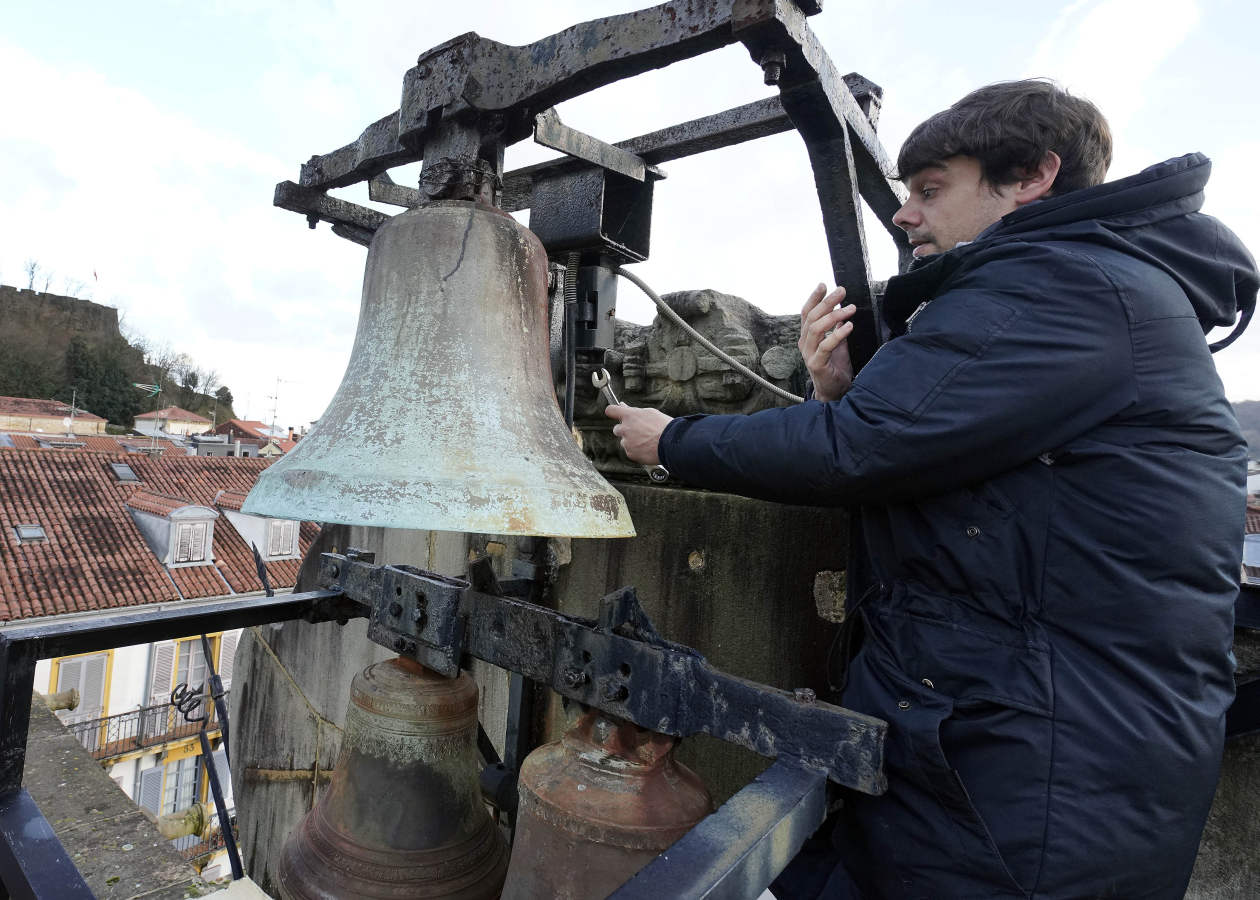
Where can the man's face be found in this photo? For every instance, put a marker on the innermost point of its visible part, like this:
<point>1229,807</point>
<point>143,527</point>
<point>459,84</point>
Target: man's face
<point>950,202</point>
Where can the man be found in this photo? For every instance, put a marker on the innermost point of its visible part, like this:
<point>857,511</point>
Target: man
<point>1052,494</point>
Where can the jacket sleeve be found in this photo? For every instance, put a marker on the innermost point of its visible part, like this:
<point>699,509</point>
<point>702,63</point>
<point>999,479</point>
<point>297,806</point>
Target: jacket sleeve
<point>1023,353</point>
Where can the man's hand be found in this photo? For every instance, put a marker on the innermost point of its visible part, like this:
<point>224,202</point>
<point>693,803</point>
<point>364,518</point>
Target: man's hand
<point>639,429</point>
<point>826,354</point>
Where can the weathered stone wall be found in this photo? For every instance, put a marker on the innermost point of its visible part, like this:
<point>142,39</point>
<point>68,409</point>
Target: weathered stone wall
<point>54,320</point>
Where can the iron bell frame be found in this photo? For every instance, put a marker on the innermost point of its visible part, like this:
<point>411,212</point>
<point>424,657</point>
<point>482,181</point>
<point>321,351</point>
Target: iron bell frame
<point>462,104</point>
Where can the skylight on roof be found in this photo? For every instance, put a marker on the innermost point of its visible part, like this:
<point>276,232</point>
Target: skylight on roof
<point>123,471</point>
<point>30,533</point>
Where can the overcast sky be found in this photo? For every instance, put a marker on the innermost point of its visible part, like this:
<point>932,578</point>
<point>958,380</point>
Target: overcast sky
<point>140,144</point>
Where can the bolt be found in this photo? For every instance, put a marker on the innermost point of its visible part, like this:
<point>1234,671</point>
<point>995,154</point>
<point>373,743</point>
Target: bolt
<point>772,63</point>
<point>395,608</point>
<point>399,644</point>
<point>804,695</point>
<point>573,677</point>
<point>419,617</point>
<point>614,692</point>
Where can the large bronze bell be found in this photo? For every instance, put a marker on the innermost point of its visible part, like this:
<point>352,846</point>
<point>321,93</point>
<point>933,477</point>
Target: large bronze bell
<point>446,417</point>
<point>596,806</point>
<point>403,816</point>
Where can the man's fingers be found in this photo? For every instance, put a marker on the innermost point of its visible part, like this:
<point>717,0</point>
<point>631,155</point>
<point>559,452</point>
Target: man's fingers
<point>617,412</point>
<point>819,328</point>
<point>810,302</point>
<point>828,345</point>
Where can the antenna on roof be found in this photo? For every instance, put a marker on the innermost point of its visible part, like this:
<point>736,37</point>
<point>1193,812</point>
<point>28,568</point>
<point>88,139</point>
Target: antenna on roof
<point>152,390</point>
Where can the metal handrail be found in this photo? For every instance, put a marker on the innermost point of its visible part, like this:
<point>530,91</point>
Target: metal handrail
<point>147,726</point>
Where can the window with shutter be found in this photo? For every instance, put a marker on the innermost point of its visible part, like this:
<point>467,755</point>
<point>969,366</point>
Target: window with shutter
<point>149,789</point>
<point>180,788</point>
<point>86,674</point>
<point>225,777</point>
<point>274,534</point>
<point>183,542</point>
<point>158,719</point>
<point>227,655</point>
<point>197,551</point>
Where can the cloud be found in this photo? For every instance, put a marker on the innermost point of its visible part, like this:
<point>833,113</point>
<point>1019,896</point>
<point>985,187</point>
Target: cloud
<point>1108,50</point>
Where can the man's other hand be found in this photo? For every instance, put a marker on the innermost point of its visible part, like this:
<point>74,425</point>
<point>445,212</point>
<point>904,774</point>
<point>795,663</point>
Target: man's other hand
<point>825,328</point>
<point>639,429</point>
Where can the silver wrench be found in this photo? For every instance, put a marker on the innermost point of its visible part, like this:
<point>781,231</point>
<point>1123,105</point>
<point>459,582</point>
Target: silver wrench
<point>603,382</point>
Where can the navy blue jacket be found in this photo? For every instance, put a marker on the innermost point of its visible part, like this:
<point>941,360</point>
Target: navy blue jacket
<point>1052,487</point>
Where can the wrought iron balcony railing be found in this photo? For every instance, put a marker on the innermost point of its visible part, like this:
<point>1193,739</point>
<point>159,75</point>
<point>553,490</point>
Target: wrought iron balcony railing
<point>147,726</point>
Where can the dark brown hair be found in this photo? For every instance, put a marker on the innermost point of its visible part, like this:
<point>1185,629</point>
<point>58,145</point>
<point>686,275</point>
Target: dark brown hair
<point>1009,127</point>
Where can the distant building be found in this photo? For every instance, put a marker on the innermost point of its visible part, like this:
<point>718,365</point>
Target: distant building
<point>46,417</point>
<point>83,532</point>
<point>172,420</point>
<point>271,442</point>
<point>99,443</point>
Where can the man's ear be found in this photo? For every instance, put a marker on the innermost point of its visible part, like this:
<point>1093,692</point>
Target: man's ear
<point>1038,182</point>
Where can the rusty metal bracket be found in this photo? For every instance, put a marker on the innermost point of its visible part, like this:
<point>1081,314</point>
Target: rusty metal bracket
<point>618,664</point>
<point>549,131</point>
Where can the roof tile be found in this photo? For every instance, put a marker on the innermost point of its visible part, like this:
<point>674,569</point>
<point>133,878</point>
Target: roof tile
<point>95,556</point>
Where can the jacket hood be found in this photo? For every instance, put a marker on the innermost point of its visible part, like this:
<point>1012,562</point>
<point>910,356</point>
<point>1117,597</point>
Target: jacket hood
<point>1153,215</point>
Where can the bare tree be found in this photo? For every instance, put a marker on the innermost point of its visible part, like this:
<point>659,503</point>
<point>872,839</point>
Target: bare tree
<point>73,287</point>
<point>32,270</point>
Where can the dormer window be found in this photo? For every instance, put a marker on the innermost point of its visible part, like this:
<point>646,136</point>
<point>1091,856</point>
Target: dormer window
<point>179,533</point>
<point>30,533</point>
<point>190,541</point>
<point>281,538</point>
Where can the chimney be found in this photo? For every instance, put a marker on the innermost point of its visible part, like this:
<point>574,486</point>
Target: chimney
<point>290,432</point>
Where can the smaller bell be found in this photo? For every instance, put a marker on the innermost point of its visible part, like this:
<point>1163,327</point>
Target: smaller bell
<point>403,816</point>
<point>597,806</point>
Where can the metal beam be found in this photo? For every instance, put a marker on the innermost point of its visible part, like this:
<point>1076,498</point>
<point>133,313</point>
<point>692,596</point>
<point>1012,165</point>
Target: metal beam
<point>349,220</point>
<point>736,852</point>
<point>618,664</point>
<point>141,625</point>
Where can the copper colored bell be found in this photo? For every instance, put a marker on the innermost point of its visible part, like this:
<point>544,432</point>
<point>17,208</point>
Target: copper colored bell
<point>596,806</point>
<point>403,816</point>
<point>446,417</point>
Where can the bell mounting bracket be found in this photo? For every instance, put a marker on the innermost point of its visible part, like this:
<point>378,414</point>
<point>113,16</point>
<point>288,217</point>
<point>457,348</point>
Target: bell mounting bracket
<point>617,663</point>
<point>469,98</point>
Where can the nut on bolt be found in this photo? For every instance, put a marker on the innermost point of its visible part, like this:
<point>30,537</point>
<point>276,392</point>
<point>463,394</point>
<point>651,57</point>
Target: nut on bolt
<point>573,677</point>
<point>804,695</point>
<point>772,64</point>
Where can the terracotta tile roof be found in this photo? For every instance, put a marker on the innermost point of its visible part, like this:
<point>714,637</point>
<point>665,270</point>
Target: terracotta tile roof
<point>158,504</point>
<point>173,414</point>
<point>1253,519</point>
<point>247,428</point>
<point>24,406</point>
<point>101,443</point>
<point>94,556</point>
<point>229,499</point>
